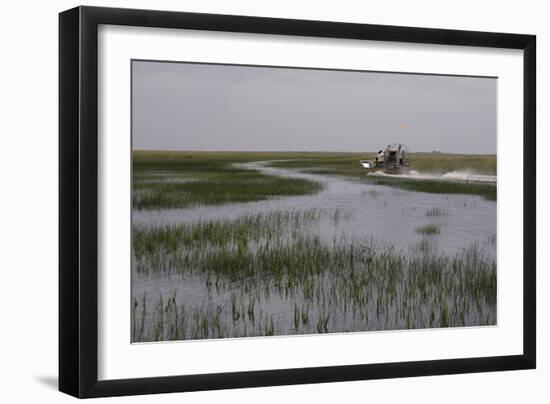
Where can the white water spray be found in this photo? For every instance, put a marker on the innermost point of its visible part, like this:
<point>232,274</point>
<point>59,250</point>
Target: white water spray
<point>464,176</point>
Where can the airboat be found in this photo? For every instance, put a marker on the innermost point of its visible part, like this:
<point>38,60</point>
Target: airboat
<point>392,160</point>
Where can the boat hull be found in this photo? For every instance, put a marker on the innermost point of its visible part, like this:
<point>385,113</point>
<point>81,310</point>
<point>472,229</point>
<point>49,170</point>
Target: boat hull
<point>371,167</point>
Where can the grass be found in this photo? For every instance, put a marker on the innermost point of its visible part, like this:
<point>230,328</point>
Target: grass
<point>165,248</point>
<point>326,286</point>
<point>163,180</point>
<point>234,248</point>
<point>435,212</point>
<point>348,165</point>
<point>276,273</point>
<point>487,191</point>
<point>430,229</point>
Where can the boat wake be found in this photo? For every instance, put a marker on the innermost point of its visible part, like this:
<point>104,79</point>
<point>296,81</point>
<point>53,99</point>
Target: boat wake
<point>463,176</point>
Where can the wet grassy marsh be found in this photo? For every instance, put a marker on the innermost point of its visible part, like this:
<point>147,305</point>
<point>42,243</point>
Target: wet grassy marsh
<point>347,165</point>
<point>430,229</point>
<point>164,180</point>
<point>487,191</point>
<point>317,285</point>
<point>193,175</point>
<point>363,287</point>
<point>320,264</point>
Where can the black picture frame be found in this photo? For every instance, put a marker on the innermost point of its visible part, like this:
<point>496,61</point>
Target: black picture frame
<point>78,201</point>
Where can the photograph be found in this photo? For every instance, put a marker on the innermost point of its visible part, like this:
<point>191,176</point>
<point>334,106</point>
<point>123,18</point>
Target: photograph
<point>280,201</point>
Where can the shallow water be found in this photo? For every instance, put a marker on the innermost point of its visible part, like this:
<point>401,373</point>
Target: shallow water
<point>357,211</point>
<point>385,213</point>
<point>465,176</point>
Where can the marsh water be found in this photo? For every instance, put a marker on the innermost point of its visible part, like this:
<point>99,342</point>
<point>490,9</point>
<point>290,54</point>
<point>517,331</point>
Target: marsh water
<point>382,212</point>
<point>346,210</point>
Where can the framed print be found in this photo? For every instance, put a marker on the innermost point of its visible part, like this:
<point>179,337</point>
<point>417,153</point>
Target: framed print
<point>250,201</point>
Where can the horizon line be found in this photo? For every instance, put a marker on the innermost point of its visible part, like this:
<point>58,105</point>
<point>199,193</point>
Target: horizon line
<point>298,151</point>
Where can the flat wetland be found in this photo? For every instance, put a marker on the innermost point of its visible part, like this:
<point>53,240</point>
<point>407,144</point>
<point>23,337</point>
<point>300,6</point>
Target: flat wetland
<point>245,244</point>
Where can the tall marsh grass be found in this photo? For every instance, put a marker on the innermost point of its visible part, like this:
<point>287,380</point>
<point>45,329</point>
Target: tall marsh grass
<point>347,164</point>
<point>278,273</point>
<point>254,267</point>
<point>430,229</point>
<point>165,180</point>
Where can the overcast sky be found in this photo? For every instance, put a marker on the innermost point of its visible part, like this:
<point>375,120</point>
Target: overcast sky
<point>183,106</point>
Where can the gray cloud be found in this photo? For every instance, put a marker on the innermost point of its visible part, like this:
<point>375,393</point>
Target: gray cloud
<point>184,106</point>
